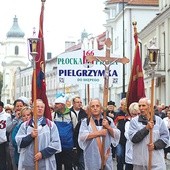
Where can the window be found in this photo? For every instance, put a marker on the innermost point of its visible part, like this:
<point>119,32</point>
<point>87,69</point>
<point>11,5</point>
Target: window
<point>125,35</point>
<point>27,80</point>
<point>28,94</point>
<point>16,50</point>
<point>116,43</point>
<point>112,13</point>
<point>24,81</point>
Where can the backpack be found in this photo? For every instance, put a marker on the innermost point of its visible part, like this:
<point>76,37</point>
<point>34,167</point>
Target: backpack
<point>65,130</point>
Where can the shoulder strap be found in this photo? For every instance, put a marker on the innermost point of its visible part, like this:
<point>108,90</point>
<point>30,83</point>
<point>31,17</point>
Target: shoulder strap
<point>70,116</point>
<point>28,122</point>
<point>48,122</point>
<point>74,112</point>
<point>55,115</point>
<point>99,142</point>
<point>98,138</point>
<point>88,121</point>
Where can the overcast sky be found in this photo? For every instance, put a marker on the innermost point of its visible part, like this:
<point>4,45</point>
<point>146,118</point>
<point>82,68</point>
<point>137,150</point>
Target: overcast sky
<point>63,19</point>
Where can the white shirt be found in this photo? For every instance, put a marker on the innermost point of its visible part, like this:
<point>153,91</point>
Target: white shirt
<point>4,122</point>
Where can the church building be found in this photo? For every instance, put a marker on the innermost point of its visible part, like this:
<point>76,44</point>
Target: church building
<point>15,57</point>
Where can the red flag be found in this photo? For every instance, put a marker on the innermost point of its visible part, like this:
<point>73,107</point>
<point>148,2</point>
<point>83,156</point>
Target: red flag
<point>40,68</point>
<point>136,89</point>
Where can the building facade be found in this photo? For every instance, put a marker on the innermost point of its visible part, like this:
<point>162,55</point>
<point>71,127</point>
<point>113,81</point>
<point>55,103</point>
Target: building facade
<point>158,32</point>
<point>120,15</point>
<point>23,82</point>
<point>15,56</point>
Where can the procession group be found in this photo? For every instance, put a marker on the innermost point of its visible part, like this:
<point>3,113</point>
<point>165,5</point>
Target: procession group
<point>73,138</point>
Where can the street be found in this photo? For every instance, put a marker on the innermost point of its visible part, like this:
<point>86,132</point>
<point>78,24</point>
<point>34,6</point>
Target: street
<point>166,160</point>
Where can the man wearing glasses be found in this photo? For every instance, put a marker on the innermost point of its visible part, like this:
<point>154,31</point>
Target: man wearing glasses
<point>77,108</point>
<point>80,114</point>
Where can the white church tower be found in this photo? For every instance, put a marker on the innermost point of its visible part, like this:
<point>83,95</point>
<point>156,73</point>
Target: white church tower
<point>15,57</point>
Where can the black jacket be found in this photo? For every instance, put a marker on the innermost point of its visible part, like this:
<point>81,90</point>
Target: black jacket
<point>82,114</point>
<point>120,120</point>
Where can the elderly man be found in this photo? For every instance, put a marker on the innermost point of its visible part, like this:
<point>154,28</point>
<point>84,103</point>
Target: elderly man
<point>139,134</point>
<point>48,142</point>
<point>91,132</point>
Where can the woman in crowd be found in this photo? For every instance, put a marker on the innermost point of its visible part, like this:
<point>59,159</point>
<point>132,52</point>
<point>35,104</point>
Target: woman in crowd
<point>26,114</point>
<point>133,111</point>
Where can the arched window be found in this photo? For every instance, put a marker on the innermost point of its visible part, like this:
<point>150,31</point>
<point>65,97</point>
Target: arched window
<point>16,50</point>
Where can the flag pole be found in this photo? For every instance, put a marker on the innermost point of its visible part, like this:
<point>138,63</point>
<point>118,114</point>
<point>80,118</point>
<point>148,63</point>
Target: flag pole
<point>35,114</point>
<point>136,87</point>
<point>33,44</point>
<point>151,119</point>
<point>33,51</point>
<point>153,54</point>
<point>40,66</point>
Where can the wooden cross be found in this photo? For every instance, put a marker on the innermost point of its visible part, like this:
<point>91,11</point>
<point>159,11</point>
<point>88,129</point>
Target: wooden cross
<point>107,62</point>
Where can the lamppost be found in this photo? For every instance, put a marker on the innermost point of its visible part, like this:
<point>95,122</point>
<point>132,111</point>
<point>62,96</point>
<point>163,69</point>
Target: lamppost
<point>152,55</point>
<point>33,51</point>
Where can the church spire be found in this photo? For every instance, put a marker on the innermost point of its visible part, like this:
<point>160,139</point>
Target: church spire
<point>15,30</point>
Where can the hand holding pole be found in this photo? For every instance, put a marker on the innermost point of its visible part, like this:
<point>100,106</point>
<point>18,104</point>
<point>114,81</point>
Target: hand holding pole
<point>33,51</point>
